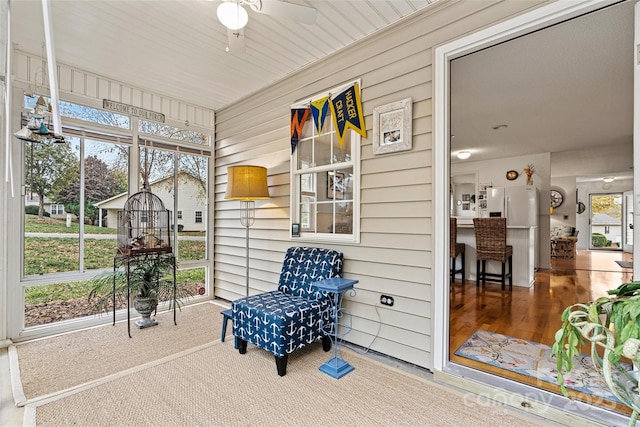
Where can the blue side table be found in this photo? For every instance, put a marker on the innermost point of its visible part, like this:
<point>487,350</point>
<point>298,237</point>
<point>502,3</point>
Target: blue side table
<point>337,286</point>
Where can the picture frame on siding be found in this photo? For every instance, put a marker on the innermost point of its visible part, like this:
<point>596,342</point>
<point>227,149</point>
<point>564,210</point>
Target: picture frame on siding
<point>392,127</point>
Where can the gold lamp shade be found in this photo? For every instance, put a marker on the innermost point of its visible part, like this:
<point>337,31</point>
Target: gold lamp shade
<point>247,183</point>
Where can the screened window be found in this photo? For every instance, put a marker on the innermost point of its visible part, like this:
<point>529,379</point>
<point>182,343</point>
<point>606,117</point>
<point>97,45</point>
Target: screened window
<point>88,114</point>
<point>325,182</point>
<point>88,177</point>
<point>179,214</point>
<point>172,132</point>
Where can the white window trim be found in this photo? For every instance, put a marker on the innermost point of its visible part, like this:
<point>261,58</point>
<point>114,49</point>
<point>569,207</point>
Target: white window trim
<point>356,139</point>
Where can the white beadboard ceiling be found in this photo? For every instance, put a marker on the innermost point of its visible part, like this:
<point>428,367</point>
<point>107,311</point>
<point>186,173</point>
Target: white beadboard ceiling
<point>177,48</point>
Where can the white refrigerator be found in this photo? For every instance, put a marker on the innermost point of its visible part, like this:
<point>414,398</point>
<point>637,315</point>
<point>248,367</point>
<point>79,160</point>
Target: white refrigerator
<point>518,204</point>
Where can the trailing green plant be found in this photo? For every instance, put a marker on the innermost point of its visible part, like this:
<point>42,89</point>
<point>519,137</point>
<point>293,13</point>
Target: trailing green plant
<point>149,275</point>
<point>612,323</point>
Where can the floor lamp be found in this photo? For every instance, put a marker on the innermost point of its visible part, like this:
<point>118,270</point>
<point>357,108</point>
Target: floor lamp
<point>247,184</point>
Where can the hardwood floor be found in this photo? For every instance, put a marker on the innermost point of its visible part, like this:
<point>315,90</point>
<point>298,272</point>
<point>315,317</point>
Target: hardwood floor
<point>534,313</point>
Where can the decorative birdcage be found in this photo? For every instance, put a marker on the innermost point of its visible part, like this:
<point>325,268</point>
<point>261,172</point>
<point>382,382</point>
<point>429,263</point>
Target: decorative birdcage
<point>143,225</point>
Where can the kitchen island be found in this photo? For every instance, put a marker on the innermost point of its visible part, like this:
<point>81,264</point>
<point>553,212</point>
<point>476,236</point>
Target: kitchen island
<point>524,240</point>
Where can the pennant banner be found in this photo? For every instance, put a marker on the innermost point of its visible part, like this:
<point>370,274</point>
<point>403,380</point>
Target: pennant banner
<point>346,109</point>
<point>319,110</point>
<point>299,117</point>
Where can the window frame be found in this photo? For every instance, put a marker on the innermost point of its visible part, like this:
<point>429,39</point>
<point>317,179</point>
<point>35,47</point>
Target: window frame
<point>85,130</point>
<point>295,211</point>
<point>57,207</point>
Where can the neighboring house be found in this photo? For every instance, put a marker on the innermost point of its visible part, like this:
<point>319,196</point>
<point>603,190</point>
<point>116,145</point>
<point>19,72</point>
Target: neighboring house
<point>192,209</point>
<point>55,210</point>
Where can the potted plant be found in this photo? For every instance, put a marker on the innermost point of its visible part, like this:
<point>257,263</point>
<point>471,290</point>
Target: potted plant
<point>611,325</point>
<point>150,280</point>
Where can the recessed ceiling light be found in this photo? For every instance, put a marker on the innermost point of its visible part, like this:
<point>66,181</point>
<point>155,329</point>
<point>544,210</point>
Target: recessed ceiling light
<point>498,127</point>
<point>463,155</point>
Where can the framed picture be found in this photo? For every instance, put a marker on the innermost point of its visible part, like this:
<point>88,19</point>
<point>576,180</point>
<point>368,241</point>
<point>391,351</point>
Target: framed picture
<point>335,185</point>
<point>392,127</point>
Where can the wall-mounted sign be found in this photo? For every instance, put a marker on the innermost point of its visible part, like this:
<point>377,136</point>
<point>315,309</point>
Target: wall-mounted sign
<point>132,111</point>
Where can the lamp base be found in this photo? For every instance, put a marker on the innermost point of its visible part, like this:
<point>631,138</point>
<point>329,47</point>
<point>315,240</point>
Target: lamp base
<point>336,367</point>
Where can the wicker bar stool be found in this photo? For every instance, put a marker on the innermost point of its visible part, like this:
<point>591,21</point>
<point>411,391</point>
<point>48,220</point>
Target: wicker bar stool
<point>491,245</point>
<point>455,249</point>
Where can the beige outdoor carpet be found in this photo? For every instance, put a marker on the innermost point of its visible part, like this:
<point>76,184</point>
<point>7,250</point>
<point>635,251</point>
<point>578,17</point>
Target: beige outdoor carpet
<point>217,386</point>
<point>50,365</point>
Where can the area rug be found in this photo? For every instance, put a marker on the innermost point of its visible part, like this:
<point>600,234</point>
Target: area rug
<point>217,386</point>
<point>533,360</point>
<point>625,264</point>
<point>51,365</point>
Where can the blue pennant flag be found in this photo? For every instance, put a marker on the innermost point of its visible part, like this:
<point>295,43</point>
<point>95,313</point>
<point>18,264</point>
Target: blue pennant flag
<point>346,109</point>
<point>319,110</point>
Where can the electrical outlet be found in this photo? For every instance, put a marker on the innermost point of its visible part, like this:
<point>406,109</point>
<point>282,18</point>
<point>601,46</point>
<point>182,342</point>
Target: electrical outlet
<point>386,300</point>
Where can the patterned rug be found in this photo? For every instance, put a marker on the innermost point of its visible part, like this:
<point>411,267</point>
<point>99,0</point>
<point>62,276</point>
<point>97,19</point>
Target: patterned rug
<point>533,360</point>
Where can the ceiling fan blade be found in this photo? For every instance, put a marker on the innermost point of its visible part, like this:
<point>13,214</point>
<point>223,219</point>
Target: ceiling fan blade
<point>296,12</point>
<point>235,41</point>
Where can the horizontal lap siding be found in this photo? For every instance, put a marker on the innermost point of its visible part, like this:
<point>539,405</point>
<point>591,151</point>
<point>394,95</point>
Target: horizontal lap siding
<point>395,253</point>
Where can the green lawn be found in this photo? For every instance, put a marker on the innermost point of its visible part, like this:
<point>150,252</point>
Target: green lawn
<point>50,225</point>
<point>44,255</point>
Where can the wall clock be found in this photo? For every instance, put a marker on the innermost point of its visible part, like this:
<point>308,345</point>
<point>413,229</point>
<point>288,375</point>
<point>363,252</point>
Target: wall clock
<point>511,175</point>
<point>556,198</point>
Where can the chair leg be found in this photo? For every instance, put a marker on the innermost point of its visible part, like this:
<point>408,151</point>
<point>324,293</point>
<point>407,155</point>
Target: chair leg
<point>478,273</point>
<point>484,273</point>
<point>326,343</point>
<point>452,271</point>
<point>281,364</point>
<point>502,278</point>
<point>510,273</point>
<point>242,345</point>
<point>462,260</point>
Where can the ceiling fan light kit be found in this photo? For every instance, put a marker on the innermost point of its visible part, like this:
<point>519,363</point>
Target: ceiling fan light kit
<point>232,15</point>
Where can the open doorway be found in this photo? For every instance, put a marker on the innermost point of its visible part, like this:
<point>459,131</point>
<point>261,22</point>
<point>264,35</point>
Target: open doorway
<point>606,223</point>
<point>508,108</point>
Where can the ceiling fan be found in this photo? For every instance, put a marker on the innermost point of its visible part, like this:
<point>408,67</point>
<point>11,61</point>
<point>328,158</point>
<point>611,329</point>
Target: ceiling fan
<point>233,15</point>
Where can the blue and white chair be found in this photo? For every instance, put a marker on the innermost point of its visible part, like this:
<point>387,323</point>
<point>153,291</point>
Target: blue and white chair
<point>294,315</point>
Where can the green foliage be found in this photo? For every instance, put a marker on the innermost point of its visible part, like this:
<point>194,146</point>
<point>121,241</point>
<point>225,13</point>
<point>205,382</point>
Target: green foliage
<point>49,168</point>
<point>599,240</point>
<point>149,275</point>
<point>619,313</point>
<point>33,210</point>
<point>100,183</point>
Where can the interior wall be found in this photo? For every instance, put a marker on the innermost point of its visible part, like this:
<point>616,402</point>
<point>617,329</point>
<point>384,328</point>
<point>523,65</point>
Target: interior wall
<point>494,171</point>
<point>395,256</point>
<point>565,214</point>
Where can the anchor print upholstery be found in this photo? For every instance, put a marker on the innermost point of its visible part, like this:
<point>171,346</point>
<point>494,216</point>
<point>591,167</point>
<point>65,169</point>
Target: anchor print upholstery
<point>294,315</point>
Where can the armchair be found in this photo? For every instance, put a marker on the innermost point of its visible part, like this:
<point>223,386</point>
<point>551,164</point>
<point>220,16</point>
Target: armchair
<point>563,242</point>
<point>294,315</point>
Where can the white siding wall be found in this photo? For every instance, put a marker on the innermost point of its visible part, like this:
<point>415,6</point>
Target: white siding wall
<point>395,255</point>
